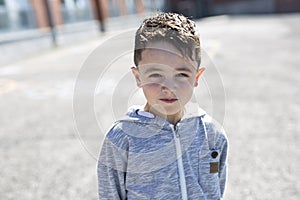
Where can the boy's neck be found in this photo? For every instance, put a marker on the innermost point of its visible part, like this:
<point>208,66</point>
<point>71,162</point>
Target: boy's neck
<point>173,119</point>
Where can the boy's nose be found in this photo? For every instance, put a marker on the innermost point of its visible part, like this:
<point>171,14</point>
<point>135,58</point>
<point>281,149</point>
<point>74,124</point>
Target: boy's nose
<point>168,85</point>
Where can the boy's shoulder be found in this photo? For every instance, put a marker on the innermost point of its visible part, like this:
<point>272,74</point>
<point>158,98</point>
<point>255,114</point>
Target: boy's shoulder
<point>214,130</point>
<point>132,124</point>
<point>212,124</point>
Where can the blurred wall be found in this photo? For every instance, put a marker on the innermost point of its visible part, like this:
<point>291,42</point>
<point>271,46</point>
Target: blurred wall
<point>254,6</point>
<point>41,16</point>
<point>24,14</point>
<point>242,6</point>
<point>203,8</point>
<point>16,13</point>
<point>283,6</point>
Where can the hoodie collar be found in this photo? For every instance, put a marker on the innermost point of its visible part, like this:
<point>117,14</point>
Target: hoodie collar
<point>137,113</point>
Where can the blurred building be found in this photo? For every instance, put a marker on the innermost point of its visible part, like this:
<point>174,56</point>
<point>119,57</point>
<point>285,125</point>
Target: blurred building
<point>190,8</point>
<point>24,14</point>
<point>203,8</point>
<point>29,14</point>
<point>254,6</point>
<point>16,14</point>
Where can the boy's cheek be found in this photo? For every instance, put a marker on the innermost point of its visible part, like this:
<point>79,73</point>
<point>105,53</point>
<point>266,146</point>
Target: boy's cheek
<point>186,85</point>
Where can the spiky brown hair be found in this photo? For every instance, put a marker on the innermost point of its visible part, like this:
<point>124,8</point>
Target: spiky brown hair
<point>173,28</point>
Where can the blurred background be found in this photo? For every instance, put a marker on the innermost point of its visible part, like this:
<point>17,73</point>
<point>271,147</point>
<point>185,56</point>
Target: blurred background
<point>251,86</point>
<point>63,20</point>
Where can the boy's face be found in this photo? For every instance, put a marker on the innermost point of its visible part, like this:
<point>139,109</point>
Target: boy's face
<point>167,78</point>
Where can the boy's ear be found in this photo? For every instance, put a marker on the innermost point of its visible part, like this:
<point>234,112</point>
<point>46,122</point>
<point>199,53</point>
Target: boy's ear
<point>136,75</point>
<point>198,74</point>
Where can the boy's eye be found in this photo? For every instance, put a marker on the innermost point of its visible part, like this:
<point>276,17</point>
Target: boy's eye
<point>155,75</point>
<point>182,75</point>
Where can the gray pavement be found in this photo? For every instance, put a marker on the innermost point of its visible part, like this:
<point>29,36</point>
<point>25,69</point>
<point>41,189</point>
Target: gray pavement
<point>44,155</point>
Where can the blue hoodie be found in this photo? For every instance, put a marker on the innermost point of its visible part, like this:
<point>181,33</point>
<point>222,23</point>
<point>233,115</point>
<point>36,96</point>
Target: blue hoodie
<point>145,157</point>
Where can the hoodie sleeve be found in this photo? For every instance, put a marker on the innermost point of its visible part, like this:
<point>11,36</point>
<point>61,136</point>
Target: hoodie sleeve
<point>111,167</point>
<point>223,164</point>
<point>217,140</point>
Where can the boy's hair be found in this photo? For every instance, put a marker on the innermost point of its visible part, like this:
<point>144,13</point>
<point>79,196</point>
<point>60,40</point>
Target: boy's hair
<point>170,27</point>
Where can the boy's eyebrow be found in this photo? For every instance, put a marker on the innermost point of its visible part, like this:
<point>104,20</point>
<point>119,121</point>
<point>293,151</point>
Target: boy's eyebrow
<point>159,69</point>
<point>183,69</point>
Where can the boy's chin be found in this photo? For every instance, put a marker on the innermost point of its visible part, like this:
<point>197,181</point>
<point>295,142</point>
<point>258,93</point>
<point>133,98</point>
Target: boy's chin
<point>164,112</point>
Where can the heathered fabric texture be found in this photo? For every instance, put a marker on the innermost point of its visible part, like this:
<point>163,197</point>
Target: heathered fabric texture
<point>139,159</point>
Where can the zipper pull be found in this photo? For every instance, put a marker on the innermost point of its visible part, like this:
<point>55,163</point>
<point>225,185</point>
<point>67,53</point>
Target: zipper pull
<point>176,131</point>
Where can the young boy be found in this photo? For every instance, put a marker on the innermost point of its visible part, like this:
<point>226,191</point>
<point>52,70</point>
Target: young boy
<point>160,150</point>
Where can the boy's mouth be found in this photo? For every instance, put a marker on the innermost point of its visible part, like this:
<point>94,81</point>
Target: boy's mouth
<point>168,100</point>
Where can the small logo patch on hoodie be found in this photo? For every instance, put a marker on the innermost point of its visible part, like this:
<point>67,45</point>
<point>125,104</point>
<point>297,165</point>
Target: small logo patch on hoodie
<point>214,167</point>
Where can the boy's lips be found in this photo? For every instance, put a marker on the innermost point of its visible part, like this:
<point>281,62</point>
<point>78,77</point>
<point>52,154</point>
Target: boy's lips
<point>168,100</point>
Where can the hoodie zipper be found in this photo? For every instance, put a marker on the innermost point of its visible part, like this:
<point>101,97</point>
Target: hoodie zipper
<point>179,162</point>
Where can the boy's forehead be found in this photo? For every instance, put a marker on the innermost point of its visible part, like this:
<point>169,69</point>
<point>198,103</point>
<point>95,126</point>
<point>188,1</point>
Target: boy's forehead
<point>165,47</point>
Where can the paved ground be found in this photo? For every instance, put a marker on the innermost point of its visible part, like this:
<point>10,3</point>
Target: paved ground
<point>257,59</point>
